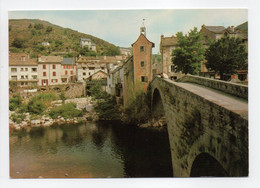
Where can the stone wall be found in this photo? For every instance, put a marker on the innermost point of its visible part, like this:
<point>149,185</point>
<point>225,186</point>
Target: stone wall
<point>197,126</point>
<point>238,90</point>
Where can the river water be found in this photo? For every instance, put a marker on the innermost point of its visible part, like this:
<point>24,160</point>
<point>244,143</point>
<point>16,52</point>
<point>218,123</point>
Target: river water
<point>90,150</point>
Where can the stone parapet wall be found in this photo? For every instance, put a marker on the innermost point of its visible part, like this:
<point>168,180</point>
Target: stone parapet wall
<point>237,90</point>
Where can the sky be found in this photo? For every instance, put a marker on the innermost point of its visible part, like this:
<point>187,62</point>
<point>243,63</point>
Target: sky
<point>122,27</point>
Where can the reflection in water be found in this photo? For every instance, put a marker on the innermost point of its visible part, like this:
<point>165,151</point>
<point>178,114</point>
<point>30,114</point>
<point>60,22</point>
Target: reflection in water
<point>90,150</point>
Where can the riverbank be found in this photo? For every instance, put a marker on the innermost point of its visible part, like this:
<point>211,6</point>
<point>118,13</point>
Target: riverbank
<point>85,105</point>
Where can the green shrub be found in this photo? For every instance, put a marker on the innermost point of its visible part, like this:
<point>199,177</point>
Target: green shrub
<point>97,92</point>
<point>17,118</point>
<point>107,109</point>
<point>137,107</point>
<point>14,102</point>
<point>62,97</point>
<point>65,110</point>
<point>36,106</point>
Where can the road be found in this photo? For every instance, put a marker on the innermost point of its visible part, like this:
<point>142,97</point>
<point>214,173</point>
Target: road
<point>230,102</point>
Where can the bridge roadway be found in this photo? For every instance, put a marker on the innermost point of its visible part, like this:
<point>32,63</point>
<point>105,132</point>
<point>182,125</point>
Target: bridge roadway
<point>230,102</point>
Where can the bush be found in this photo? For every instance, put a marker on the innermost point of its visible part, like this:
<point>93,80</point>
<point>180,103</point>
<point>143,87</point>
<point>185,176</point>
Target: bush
<point>137,109</point>
<point>18,43</point>
<point>14,102</point>
<point>36,106</point>
<point>62,97</point>
<point>108,109</point>
<point>17,118</point>
<point>66,110</point>
<point>97,92</point>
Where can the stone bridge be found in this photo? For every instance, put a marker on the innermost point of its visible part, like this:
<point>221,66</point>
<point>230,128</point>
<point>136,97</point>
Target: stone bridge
<point>207,123</point>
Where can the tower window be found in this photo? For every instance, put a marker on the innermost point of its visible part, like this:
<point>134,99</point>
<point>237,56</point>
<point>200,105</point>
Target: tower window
<point>142,63</point>
<point>144,79</point>
<point>141,48</point>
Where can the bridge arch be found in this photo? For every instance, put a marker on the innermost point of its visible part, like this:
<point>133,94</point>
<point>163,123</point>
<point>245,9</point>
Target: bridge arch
<point>206,165</point>
<point>157,105</point>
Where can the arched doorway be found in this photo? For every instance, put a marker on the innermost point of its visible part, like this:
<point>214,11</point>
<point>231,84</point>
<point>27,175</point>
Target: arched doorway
<point>206,165</point>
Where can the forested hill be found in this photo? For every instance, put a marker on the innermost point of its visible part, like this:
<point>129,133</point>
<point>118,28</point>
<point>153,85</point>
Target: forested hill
<point>29,34</point>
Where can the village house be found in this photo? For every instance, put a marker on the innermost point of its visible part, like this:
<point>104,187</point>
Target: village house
<point>23,71</point>
<point>88,43</point>
<point>218,32</point>
<point>49,70</point>
<point>87,66</point>
<point>167,45</point>
<point>69,70</point>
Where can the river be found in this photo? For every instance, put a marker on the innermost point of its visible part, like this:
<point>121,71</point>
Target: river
<point>90,150</point>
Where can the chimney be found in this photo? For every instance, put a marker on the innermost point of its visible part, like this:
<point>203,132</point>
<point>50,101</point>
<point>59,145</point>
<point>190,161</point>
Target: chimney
<point>39,57</point>
<point>232,28</point>
<point>162,36</point>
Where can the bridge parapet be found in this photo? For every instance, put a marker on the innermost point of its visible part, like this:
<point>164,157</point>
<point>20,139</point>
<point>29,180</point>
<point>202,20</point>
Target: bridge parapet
<point>237,90</point>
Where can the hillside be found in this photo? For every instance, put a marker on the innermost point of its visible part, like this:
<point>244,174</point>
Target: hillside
<point>243,27</point>
<point>30,33</point>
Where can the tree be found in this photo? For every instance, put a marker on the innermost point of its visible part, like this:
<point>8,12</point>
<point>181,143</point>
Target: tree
<point>112,51</point>
<point>18,43</point>
<point>48,29</point>
<point>38,26</point>
<point>189,54</point>
<point>226,55</point>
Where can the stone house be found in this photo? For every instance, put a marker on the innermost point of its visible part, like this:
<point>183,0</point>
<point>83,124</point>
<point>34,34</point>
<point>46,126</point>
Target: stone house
<point>49,70</point>
<point>115,82</point>
<point>167,45</point>
<point>99,75</point>
<point>68,70</point>
<point>23,71</point>
<point>88,43</point>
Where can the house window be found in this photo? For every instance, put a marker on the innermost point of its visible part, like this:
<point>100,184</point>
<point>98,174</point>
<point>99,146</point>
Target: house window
<point>54,80</point>
<point>84,68</point>
<point>144,79</point>
<point>141,48</point>
<point>64,67</point>
<point>142,63</point>
<point>23,58</point>
<point>89,73</point>
<point>73,67</point>
<point>44,66</point>
<point>54,74</point>
<point>34,76</point>
<point>21,69</point>
<point>34,69</point>
<point>26,69</point>
<point>44,73</point>
<point>13,70</point>
<point>84,74</point>
<point>91,68</point>
<point>14,78</point>
<point>66,72</point>
<point>71,72</point>
<point>22,77</point>
<point>53,66</point>
<point>172,68</point>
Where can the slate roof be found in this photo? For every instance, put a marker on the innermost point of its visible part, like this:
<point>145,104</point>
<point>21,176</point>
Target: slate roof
<point>215,29</point>
<point>50,59</point>
<point>68,61</point>
<point>15,59</point>
<point>85,39</point>
<point>169,41</point>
